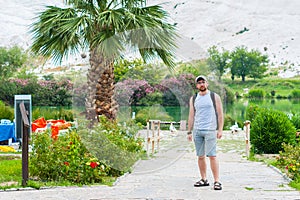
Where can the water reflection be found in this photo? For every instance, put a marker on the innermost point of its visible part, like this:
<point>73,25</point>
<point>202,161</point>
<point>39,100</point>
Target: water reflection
<point>238,109</point>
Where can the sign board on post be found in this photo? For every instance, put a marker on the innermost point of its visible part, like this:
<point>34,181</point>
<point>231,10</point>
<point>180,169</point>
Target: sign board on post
<point>18,116</point>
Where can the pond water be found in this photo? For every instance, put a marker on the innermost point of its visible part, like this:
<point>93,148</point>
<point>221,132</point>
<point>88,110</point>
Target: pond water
<point>237,110</point>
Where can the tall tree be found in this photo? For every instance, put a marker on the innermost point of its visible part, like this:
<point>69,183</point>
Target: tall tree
<point>218,61</point>
<point>106,28</point>
<point>11,60</point>
<point>248,63</point>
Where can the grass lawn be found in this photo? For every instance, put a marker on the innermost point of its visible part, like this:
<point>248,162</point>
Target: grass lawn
<point>11,175</point>
<point>10,171</point>
<point>282,87</point>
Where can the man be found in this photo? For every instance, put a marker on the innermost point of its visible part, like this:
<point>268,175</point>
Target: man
<point>205,125</point>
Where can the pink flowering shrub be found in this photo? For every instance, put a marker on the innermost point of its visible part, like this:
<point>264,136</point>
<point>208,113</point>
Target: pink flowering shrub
<point>177,91</point>
<point>129,92</point>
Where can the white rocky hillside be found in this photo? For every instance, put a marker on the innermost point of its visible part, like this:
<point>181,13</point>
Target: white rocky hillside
<point>271,26</point>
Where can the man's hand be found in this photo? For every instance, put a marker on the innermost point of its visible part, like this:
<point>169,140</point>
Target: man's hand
<point>190,137</point>
<point>219,134</point>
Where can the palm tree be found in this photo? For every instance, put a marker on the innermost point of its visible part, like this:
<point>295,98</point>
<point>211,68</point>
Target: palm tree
<point>105,28</point>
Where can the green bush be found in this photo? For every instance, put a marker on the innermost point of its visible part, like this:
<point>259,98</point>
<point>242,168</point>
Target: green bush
<point>11,60</point>
<point>229,97</point>
<point>6,112</point>
<point>269,129</point>
<point>295,119</point>
<point>114,144</point>
<point>86,156</point>
<point>52,113</point>
<point>295,94</point>
<point>228,122</point>
<point>152,99</point>
<point>251,112</point>
<point>8,91</point>
<point>153,112</point>
<point>44,93</point>
<point>289,160</point>
<point>64,159</point>
<point>256,93</point>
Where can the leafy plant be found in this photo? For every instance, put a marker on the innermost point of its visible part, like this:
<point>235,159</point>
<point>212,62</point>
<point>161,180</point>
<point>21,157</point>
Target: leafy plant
<point>152,99</point>
<point>86,156</point>
<point>6,112</point>
<point>64,159</point>
<point>295,94</point>
<point>289,160</point>
<point>130,92</point>
<point>269,129</point>
<point>247,63</point>
<point>295,119</point>
<point>177,90</point>
<point>114,144</point>
<point>218,61</point>
<point>52,113</point>
<point>154,112</point>
<point>10,61</point>
<point>256,93</point>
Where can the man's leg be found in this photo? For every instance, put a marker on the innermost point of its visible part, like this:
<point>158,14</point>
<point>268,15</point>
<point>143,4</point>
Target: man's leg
<point>202,166</point>
<point>214,165</point>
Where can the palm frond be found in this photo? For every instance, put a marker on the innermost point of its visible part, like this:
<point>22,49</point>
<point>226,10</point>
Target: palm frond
<point>96,24</point>
<point>148,32</point>
<point>57,33</point>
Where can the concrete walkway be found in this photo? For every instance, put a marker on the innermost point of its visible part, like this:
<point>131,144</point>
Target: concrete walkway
<point>171,173</point>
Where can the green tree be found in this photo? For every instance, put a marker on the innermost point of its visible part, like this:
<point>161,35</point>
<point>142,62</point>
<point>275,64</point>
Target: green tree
<point>245,63</point>
<point>138,70</point>
<point>218,61</point>
<point>10,61</point>
<point>106,29</point>
<point>258,63</point>
<point>194,67</point>
<point>123,66</point>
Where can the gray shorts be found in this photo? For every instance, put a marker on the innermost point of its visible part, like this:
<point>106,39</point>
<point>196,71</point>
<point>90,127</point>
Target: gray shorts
<point>205,142</point>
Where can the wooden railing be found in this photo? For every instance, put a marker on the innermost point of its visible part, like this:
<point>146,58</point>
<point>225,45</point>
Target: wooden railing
<point>153,132</point>
<point>153,126</point>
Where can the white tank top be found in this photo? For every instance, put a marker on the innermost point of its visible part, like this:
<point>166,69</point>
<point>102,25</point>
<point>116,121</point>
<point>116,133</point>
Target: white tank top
<point>205,117</point>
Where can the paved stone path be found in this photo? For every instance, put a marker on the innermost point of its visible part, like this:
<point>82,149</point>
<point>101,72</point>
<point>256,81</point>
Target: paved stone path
<point>171,173</point>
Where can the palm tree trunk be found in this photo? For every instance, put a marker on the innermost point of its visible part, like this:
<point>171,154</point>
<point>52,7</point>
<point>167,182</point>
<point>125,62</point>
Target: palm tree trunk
<point>100,79</point>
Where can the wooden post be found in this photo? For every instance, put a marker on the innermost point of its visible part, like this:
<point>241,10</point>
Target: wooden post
<point>158,134</point>
<point>247,137</point>
<point>153,136</point>
<point>148,138</point>
<point>25,126</point>
<point>155,128</point>
<point>182,125</point>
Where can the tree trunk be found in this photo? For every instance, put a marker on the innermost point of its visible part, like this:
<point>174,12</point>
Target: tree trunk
<point>243,78</point>
<point>100,81</point>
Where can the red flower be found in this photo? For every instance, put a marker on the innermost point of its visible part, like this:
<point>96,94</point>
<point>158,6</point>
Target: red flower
<point>66,163</point>
<point>94,165</point>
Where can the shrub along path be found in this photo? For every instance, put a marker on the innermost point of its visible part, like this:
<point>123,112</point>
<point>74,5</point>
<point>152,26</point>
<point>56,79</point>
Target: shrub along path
<point>171,173</point>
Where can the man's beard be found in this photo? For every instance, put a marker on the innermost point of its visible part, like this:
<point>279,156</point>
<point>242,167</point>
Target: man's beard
<point>203,89</point>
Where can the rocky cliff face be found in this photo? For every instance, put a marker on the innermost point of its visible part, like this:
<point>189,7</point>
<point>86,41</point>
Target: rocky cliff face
<point>271,26</point>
